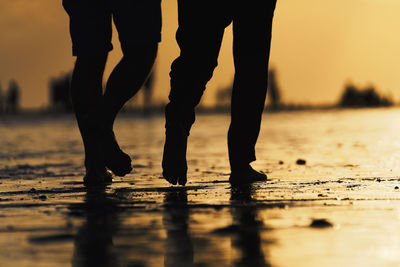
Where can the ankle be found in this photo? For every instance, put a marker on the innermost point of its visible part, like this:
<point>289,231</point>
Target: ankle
<point>241,167</point>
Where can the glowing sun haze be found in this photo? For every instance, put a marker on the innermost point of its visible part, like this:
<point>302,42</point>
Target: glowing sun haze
<point>317,47</point>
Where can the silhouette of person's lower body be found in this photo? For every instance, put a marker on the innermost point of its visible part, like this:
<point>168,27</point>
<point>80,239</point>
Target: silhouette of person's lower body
<point>199,36</point>
<point>139,28</point>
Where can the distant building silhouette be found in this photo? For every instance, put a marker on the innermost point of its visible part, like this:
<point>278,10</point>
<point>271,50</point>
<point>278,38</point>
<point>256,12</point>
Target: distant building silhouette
<point>273,90</point>
<point>1,100</point>
<point>143,101</point>
<point>354,97</point>
<point>60,99</point>
<point>224,94</point>
<point>12,97</point>
<point>223,97</point>
<point>148,93</point>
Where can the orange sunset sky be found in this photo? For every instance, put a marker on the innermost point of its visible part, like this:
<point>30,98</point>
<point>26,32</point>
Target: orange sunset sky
<point>317,46</point>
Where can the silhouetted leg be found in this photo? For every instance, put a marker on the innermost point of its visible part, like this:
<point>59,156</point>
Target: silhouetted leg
<point>86,93</point>
<point>89,106</point>
<point>139,26</point>
<point>90,28</point>
<point>123,83</point>
<point>139,29</point>
<point>252,23</point>
<point>126,80</point>
<point>199,36</point>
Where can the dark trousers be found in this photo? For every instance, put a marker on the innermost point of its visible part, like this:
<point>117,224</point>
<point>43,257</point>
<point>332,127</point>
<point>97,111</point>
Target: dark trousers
<point>199,36</point>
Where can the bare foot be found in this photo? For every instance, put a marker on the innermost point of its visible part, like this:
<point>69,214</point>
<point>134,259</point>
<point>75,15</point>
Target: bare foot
<point>174,157</point>
<point>246,175</point>
<point>114,158</point>
<point>95,177</point>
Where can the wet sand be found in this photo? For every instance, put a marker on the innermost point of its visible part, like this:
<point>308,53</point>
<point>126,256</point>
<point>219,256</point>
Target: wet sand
<point>340,208</point>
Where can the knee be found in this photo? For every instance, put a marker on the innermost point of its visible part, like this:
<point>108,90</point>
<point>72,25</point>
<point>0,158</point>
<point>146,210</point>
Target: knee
<point>195,68</point>
<point>93,61</point>
<point>144,53</point>
<point>89,68</point>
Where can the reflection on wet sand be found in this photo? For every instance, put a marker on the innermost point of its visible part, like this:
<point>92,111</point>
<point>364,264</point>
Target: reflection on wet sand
<point>178,244</point>
<point>49,219</point>
<point>183,245</point>
<point>246,226</point>
<point>94,239</point>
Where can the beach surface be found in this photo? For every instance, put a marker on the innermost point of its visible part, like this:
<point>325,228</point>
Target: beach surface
<point>332,197</point>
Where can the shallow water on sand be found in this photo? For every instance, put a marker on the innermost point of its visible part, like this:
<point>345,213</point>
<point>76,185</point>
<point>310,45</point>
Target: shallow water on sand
<point>341,208</point>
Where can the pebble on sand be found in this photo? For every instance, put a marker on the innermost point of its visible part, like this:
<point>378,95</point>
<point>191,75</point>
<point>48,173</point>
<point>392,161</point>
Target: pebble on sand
<point>301,162</point>
<point>320,223</point>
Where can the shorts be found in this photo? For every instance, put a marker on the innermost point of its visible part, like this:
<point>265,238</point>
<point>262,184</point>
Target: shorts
<point>138,22</point>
